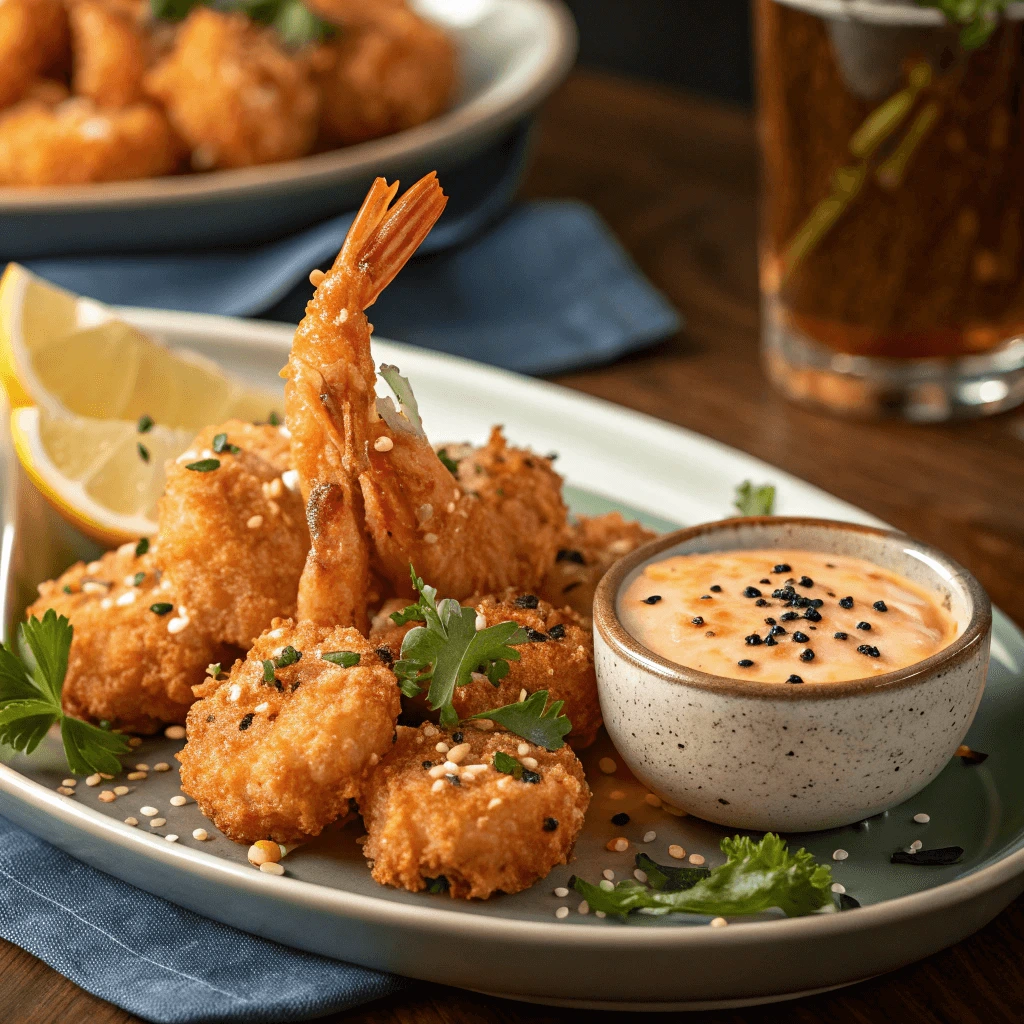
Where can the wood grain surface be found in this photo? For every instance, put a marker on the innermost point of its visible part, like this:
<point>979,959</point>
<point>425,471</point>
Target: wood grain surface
<point>675,178</point>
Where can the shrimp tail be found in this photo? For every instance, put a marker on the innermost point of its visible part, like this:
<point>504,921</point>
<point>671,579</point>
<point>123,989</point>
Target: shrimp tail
<point>381,240</point>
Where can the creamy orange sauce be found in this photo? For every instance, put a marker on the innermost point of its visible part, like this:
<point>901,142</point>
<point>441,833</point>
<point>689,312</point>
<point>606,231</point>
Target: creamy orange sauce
<point>747,615</point>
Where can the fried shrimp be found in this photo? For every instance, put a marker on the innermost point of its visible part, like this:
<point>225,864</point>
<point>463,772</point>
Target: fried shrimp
<point>233,537</point>
<point>136,652</point>
<point>587,551</point>
<point>233,94</point>
<point>559,659</point>
<point>74,143</point>
<point>381,76</point>
<point>33,41</point>
<point>109,54</point>
<point>330,399</point>
<point>278,749</point>
<point>440,815</point>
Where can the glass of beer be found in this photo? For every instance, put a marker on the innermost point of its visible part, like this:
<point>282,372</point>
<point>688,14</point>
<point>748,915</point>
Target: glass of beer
<point>892,205</point>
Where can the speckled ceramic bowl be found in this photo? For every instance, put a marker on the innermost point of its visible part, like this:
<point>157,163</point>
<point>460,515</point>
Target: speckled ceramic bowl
<point>791,758</point>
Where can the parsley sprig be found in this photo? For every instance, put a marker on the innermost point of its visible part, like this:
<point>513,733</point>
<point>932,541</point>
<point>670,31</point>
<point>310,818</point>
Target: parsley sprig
<point>295,23</point>
<point>31,682</point>
<point>755,501</point>
<point>448,649</point>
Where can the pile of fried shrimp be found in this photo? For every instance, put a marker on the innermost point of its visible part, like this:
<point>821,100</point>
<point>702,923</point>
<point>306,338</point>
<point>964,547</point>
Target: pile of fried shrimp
<point>101,90</point>
<point>293,552</point>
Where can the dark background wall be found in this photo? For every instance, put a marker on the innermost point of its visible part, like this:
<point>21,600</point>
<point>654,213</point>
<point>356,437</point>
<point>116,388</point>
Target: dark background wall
<point>702,45</point>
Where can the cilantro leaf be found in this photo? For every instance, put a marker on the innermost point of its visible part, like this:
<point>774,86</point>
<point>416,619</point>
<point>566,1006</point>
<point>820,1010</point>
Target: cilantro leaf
<point>666,878</point>
<point>756,876</point>
<point>507,764</point>
<point>528,719</point>
<point>346,659</point>
<point>31,683</point>
<point>755,501</point>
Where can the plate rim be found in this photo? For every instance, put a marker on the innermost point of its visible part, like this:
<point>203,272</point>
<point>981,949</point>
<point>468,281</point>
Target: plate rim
<point>500,104</point>
<point>431,918</point>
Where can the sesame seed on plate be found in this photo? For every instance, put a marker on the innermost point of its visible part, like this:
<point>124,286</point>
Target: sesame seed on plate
<point>600,913</point>
<point>562,912</point>
<point>640,876</point>
<point>620,844</point>
<point>93,780</point>
<point>142,767</point>
<point>677,812</point>
<point>148,811</point>
<point>718,922</point>
<point>839,855</point>
<point>838,887</point>
<point>137,776</point>
<point>172,838</point>
<point>104,775</point>
<point>607,765</point>
<point>649,837</point>
<point>69,782</point>
<point>178,801</point>
<point>157,822</point>
<point>134,741</point>
<point>922,818</point>
<point>616,794</point>
<point>175,732</point>
<point>651,800</point>
<point>676,851</point>
<point>606,885</point>
<point>583,908</point>
<point>609,874</point>
<point>383,444</point>
<point>163,766</point>
<point>696,859</point>
<point>561,891</point>
<point>200,833</point>
<point>107,796</point>
<point>121,790</point>
<point>65,791</point>
<point>916,845</point>
<point>272,868</point>
<point>131,821</point>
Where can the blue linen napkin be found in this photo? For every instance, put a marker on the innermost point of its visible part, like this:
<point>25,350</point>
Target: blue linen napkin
<point>155,959</point>
<point>541,287</point>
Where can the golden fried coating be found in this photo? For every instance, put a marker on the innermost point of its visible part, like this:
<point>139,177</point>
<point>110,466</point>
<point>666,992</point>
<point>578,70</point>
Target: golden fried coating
<point>233,540</point>
<point>109,54</point>
<point>74,143</point>
<point>129,665</point>
<point>280,759</point>
<point>382,78</point>
<point>587,551</point>
<point>233,94</point>
<point>33,40</point>
<point>560,660</point>
<point>481,830</point>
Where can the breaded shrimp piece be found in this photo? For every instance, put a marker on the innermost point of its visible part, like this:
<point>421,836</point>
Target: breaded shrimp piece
<point>560,659</point>
<point>587,551</point>
<point>330,403</point>
<point>33,40</point>
<point>233,540</point>
<point>74,143</point>
<point>129,665</point>
<point>109,54</point>
<point>280,758</point>
<point>233,94</point>
<point>480,830</point>
<point>381,78</point>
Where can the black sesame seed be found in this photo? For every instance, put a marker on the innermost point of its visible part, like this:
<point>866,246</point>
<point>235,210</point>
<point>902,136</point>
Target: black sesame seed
<point>765,581</point>
<point>770,641</point>
<point>806,581</point>
<point>841,636</point>
<point>211,718</point>
<point>846,602</point>
<point>789,616</point>
<point>800,638</point>
<point>794,679</point>
<point>753,640</point>
<point>570,555</point>
<point>697,620</point>
<point>529,776</point>
<point>770,621</point>
<point>782,567</point>
<point>457,737</point>
<point>812,615</point>
<point>871,652</point>
<point>550,824</point>
<point>776,630</point>
<point>426,765</point>
<point>745,663</point>
<point>784,594</point>
<point>246,722</point>
<point>385,655</point>
<point>653,599</point>
<point>161,608</point>
<point>816,602</point>
<point>751,592</point>
<point>716,589</point>
<point>557,631</point>
<point>879,606</point>
<point>864,625</point>
<point>807,655</point>
<point>453,779</point>
<point>761,603</point>
<point>705,597</point>
<point>535,635</point>
<point>710,633</point>
<point>527,601</point>
<point>620,819</point>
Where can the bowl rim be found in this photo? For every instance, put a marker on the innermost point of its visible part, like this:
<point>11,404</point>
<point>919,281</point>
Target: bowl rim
<point>624,645</point>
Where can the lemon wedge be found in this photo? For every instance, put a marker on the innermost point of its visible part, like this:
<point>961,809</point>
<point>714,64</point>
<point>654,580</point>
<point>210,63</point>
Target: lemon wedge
<point>102,476</point>
<point>68,354</point>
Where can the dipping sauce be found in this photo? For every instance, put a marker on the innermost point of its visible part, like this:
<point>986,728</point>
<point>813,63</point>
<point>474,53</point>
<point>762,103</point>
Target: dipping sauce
<point>783,616</point>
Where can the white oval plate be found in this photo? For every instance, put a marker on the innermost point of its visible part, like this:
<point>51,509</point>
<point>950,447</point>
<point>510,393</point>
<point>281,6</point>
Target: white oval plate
<point>513,945</point>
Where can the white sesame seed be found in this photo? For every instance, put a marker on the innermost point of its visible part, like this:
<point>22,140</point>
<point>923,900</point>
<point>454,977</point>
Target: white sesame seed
<point>839,855</point>
<point>127,549</point>
<point>127,598</point>
<point>458,753</point>
<point>696,859</point>
<point>620,845</point>
<point>504,782</point>
<point>137,776</point>
<point>131,821</point>
<point>148,811</point>
<point>200,833</point>
<point>606,885</point>
<point>495,802</point>
<point>383,444</point>
<point>607,765</point>
<point>157,822</point>
<point>583,908</point>
<point>438,771</point>
<point>649,837</point>
<point>65,790</point>
<point>107,796</point>
<point>437,786</point>
<point>106,603</point>
<point>523,748</point>
<point>675,811</point>
<point>452,768</point>
<point>838,887</point>
<point>562,912</point>
<point>484,724</point>
<point>616,794</point>
<point>600,913</point>
<point>916,845</point>
<point>922,818</point>
<point>374,758</point>
<point>481,622</point>
<point>121,790</point>
<point>441,747</point>
<point>275,633</point>
<point>561,892</point>
<point>430,538</point>
<point>260,708</point>
<point>69,782</point>
<point>104,775</point>
<point>529,762</point>
<point>175,732</point>
<point>316,276</point>
<point>522,695</point>
<point>609,874</point>
<point>178,801</point>
<point>234,692</point>
<point>163,766</point>
<point>718,922</point>
<point>171,838</point>
<point>134,741</point>
<point>272,868</point>
<point>290,478</point>
<point>142,767</point>
<point>676,851</point>
<point>640,876</point>
<point>177,624</point>
<point>89,587</point>
<point>254,522</point>
<point>430,730</point>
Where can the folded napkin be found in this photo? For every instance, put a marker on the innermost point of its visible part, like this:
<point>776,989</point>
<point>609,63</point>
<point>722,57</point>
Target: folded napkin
<point>538,287</point>
<point>154,959</point>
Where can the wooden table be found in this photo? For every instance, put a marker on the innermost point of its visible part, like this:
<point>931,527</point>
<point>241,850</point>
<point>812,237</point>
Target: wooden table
<point>675,179</point>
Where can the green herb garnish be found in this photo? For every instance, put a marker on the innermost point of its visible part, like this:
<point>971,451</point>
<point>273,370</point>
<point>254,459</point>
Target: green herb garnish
<point>437,885</point>
<point>142,547</point>
<point>528,719</point>
<point>447,461</point>
<point>161,607</point>
<point>31,683</point>
<point>407,416</point>
<point>294,23</point>
<point>507,764</point>
<point>756,876</point>
<point>755,501</point>
<point>138,578</point>
<point>288,657</point>
<point>667,878</point>
<point>273,419</point>
<point>203,465</point>
<point>143,451</point>
<point>145,424</point>
<point>346,659</point>
<point>979,18</point>
<point>449,649</point>
<point>268,670</point>
<point>67,588</point>
<point>220,445</point>
<point>213,670</point>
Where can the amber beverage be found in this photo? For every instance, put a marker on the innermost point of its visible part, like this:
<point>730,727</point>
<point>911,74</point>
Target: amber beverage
<point>892,257</point>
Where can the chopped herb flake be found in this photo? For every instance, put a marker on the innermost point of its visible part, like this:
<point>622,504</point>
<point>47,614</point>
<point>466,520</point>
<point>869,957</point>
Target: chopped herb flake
<point>346,659</point>
<point>220,445</point>
<point>203,465</point>
<point>507,765</point>
<point>145,424</point>
<point>138,579</point>
<point>142,547</point>
<point>287,657</point>
<point>161,607</point>
<point>143,451</point>
<point>447,461</point>
<point>755,501</point>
